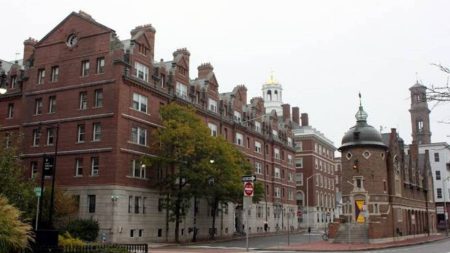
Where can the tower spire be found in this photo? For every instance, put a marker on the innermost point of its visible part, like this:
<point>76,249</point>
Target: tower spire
<point>361,115</point>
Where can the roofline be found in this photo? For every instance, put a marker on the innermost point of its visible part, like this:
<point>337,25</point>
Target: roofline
<point>362,144</point>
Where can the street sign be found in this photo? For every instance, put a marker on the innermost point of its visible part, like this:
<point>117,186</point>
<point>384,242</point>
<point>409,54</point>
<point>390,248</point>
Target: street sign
<point>37,191</point>
<point>251,178</point>
<point>248,189</point>
<point>49,162</point>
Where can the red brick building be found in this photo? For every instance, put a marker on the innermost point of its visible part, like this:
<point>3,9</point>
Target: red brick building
<point>387,194</point>
<point>94,100</point>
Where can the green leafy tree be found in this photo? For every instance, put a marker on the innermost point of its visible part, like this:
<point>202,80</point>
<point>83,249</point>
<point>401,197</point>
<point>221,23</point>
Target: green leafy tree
<point>14,184</point>
<point>225,173</point>
<point>183,154</point>
<point>14,233</point>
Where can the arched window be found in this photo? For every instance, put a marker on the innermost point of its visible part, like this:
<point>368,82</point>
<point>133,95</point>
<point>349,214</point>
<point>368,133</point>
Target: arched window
<point>269,95</point>
<point>276,95</point>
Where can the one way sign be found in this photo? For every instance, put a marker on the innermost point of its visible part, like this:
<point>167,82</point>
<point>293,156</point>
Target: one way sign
<point>251,178</point>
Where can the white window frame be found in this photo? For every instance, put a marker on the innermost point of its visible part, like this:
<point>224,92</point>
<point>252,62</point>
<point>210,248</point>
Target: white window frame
<point>41,76</point>
<point>212,105</point>
<point>83,100</point>
<point>258,147</point>
<point>38,104</point>
<point>237,116</point>
<point>181,90</point>
<point>239,139</point>
<point>258,126</point>
<point>299,145</point>
<point>276,153</point>
<point>50,136</point>
<point>299,179</point>
<point>96,131</point>
<point>54,74</point>
<point>258,168</point>
<point>95,166</point>
<point>52,104</point>
<point>213,128</point>
<point>81,133</point>
<point>78,167</point>
<point>277,192</point>
<point>277,173</point>
<point>85,66</point>
<point>137,170</point>
<point>290,160</point>
<point>141,71</point>
<point>136,135</point>
<point>140,102</point>
<point>36,137</point>
<point>98,98</point>
<point>100,65</point>
<point>10,111</point>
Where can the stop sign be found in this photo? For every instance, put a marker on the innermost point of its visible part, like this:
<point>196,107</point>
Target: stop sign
<point>248,189</point>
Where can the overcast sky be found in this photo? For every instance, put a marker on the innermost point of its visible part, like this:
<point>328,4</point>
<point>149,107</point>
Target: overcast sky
<point>322,52</point>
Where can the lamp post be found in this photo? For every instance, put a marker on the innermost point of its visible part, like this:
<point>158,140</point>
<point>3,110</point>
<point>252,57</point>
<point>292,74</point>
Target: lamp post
<point>52,195</point>
<point>307,204</point>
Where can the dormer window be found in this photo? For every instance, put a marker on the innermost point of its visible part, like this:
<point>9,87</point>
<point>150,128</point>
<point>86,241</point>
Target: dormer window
<point>181,90</point>
<point>237,116</point>
<point>141,71</point>
<point>212,105</point>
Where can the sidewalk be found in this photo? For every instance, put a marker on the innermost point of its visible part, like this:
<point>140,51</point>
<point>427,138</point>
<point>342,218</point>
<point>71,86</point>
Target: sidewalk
<point>332,247</point>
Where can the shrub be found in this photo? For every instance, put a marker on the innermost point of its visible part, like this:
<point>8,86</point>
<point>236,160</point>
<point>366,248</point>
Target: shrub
<point>86,230</point>
<point>67,240</point>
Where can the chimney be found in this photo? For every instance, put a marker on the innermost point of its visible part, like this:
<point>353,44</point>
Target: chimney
<point>149,32</point>
<point>296,115</point>
<point>28,49</point>
<point>204,69</point>
<point>182,51</point>
<point>286,112</point>
<point>305,120</point>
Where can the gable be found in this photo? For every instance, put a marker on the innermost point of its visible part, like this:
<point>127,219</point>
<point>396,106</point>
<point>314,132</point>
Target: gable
<point>80,24</point>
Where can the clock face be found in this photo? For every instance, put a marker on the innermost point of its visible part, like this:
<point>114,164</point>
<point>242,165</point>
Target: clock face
<point>71,40</point>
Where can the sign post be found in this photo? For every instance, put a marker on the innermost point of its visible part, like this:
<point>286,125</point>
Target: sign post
<point>249,190</point>
<point>37,191</point>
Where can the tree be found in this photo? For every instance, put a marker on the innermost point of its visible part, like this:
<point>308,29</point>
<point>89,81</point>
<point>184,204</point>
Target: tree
<point>85,229</point>
<point>66,208</point>
<point>14,185</point>
<point>183,153</point>
<point>14,233</point>
<point>439,93</point>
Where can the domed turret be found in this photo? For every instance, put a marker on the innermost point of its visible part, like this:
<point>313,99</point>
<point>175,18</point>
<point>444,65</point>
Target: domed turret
<point>362,134</point>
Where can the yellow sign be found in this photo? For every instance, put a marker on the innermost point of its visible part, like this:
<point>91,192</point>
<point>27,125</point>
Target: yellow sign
<point>359,212</point>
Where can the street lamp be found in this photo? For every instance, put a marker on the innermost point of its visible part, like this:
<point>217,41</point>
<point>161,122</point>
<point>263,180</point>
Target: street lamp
<point>2,90</point>
<point>307,204</point>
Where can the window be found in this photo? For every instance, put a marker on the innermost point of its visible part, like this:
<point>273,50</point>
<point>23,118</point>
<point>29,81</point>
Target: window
<point>131,232</point>
<point>258,168</point>
<point>50,136</point>
<point>277,173</point>
<point>141,232</point>
<point>258,147</point>
<point>85,68</point>
<point>137,204</point>
<point>13,82</point>
<point>299,163</point>
<point>420,126</point>
<point>140,102</point>
<point>41,76</point>
<point>289,141</point>
<point>258,126</point>
<point>81,133</point>
<point>237,116</point>
<point>299,179</point>
<point>94,166</point>
<point>436,157</point>
<point>239,139</point>
<point>10,111</point>
<point>162,81</point>
<point>143,204</point>
<point>98,98</point>
<point>277,193</point>
<point>275,133</point>
<point>36,137</point>
<point>213,129</point>
<point>181,90</point>
<point>54,74</point>
<point>139,135</point>
<point>83,100</point>
<point>160,204</point>
<point>290,195</point>
<point>91,203</point>
<point>130,203</point>
<point>141,71</point>
<point>358,183</point>
<point>96,132</point>
<point>438,175</point>
<point>276,152</point>
<point>38,106</point>
<point>79,167</point>
<point>212,105</point>
<point>299,145</point>
<point>290,160</point>
<point>100,65</point>
<point>33,169</point>
<point>439,193</point>
<point>52,104</point>
<point>138,170</point>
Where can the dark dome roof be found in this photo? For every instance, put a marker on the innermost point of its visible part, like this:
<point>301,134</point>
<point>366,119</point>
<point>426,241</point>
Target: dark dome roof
<point>362,134</point>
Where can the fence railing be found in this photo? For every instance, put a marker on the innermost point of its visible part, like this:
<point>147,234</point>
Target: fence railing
<point>94,248</point>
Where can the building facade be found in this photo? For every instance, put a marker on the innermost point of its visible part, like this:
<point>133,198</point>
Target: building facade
<point>385,192</point>
<point>92,101</point>
<point>438,153</point>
